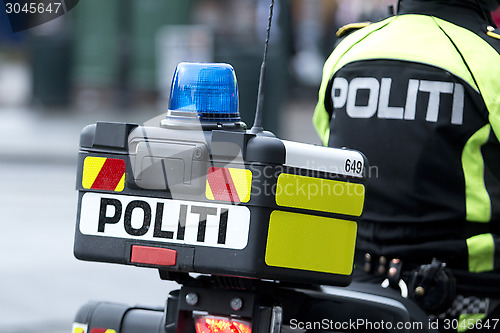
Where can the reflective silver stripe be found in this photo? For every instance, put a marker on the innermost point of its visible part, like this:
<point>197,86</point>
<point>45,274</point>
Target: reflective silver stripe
<point>319,158</point>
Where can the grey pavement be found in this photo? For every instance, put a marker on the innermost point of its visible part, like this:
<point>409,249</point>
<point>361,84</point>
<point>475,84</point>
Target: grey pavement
<point>41,284</point>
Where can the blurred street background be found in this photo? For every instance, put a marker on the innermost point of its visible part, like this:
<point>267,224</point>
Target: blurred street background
<point>114,60</point>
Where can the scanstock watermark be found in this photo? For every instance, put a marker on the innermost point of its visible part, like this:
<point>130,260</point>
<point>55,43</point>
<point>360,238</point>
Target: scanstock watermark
<point>365,325</point>
<point>362,325</point>
<point>26,14</point>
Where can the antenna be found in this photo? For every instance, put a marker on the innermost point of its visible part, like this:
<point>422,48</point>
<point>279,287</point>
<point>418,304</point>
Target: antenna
<point>257,123</point>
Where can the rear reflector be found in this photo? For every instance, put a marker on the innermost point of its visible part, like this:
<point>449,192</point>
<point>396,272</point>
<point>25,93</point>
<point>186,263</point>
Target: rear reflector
<point>153,256</point>
<point>212,324</point>
<point>102,330</point>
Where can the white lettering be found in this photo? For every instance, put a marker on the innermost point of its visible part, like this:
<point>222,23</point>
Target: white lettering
<point>341,85</point>
<point>362,111</point>
<point>411,99</point>
<point>435,89</point>
<point>384,110</point>
<point>376,98</point>
<point>457,114</point>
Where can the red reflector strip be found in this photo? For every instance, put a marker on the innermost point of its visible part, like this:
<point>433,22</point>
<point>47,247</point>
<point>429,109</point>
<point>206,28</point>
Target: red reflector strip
<point>110,175</point>
<point>153,256</point>
<point>222,185</point>
<point>102,330</point>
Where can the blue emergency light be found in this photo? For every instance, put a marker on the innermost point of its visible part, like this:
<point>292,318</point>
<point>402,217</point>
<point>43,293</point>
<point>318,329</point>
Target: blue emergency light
<point>208,91</point>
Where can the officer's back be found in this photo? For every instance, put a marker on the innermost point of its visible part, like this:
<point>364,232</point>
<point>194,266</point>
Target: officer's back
<point>417,93</point>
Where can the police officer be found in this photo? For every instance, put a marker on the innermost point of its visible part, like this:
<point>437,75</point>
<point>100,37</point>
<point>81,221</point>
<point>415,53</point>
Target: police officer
<point>419,94</point>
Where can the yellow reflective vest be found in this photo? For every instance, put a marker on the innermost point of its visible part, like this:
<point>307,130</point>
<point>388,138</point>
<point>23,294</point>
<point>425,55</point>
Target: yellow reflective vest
<point>420,97</point>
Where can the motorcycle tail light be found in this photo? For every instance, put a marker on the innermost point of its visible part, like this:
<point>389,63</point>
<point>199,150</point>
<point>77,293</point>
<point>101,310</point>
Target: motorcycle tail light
<point>216,324</point>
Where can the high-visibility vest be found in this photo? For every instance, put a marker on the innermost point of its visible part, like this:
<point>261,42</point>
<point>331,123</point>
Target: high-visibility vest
<point>453,49</point>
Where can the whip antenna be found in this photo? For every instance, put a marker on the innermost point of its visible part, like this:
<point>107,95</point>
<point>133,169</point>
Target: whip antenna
<point>257,123</point>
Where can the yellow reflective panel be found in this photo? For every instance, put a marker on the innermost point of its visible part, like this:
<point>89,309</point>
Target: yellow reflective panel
<point>319,194</point>
<point>309,242</point>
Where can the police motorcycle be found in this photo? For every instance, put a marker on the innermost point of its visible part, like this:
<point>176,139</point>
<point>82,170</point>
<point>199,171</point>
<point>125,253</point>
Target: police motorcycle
<point>258,232</point>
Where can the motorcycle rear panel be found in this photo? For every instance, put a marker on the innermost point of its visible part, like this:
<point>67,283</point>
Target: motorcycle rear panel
<point>218,202</point>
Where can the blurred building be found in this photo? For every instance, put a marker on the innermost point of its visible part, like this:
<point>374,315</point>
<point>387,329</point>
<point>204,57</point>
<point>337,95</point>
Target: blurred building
<point>122,53</point>
<point>126,53</point>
